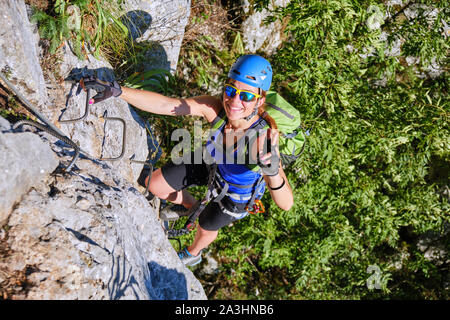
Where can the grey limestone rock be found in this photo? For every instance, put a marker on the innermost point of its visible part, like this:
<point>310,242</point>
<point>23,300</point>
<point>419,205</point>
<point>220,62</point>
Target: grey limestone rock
<point>89,234</point>
<point>24,161</point>
<point>161,23</point>
<point>19,52</point>
<point>256,35</point>
<point>98,138</point>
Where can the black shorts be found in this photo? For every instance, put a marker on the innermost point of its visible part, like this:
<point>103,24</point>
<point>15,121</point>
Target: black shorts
<point>182,176</point>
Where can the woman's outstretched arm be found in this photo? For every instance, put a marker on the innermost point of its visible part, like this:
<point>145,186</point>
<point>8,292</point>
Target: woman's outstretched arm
<point>203,106</point>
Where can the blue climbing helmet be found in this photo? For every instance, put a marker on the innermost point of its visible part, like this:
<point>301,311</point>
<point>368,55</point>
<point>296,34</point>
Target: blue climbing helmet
<point>253,70</point>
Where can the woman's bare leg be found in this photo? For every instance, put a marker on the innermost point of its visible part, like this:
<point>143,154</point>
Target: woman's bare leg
<point>203,238</point>
<point>161,189</point>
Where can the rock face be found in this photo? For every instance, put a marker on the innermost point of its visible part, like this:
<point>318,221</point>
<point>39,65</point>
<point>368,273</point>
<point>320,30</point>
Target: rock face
<point>19,52</point>
<point>256,35</point>
<point>97,138</point>
<point>161,23</point>
<point>24,161</point>
<point>87,234</point>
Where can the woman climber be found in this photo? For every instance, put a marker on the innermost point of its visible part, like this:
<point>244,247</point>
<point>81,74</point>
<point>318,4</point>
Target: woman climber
<point>242,107</point>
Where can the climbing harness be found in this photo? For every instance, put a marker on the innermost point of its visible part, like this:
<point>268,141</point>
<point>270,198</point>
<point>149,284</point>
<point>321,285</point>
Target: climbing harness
<point>216,193</point>
<point>221,190</point>
<point>196,209</point>
<point>217,190</point>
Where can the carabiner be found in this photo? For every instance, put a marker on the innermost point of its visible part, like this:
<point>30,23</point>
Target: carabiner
<point>257,207</point>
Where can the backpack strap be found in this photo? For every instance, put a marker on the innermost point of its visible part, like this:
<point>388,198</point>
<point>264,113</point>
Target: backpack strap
<point>260,124</point>
<point>219,120</point>
<point>221,185</point>
<point>293,133</point>
<point>287,114</point>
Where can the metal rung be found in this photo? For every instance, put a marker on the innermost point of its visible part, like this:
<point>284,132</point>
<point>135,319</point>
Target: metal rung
<point>123,136</point>
<point>86,109</point>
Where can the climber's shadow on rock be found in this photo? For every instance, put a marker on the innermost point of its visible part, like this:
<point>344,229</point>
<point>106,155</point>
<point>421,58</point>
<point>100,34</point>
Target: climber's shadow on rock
<point>160,283</point>
<point>151,54</point>
<point>137,22</point>
<point>166,284</point>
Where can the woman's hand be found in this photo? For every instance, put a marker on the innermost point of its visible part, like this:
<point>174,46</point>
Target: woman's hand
<point>269,154</point>
<point>276,180</point>
<point>104,89</point>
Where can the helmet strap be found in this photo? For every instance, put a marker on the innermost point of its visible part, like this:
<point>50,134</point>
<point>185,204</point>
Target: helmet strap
<point>255,111</point>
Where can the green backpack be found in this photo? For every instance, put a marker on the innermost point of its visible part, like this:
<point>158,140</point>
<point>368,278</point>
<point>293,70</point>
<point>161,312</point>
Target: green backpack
<point>292,140</point>
<point>287,118</point>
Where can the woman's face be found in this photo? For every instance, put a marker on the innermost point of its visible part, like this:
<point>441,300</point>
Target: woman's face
<point>235,107</point>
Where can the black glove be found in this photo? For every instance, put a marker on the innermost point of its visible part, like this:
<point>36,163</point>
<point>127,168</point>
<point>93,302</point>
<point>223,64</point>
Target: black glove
<point>104,89</point>
<point>272,168</point>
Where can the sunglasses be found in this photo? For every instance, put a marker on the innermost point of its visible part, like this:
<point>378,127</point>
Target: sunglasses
<point>244,95</point>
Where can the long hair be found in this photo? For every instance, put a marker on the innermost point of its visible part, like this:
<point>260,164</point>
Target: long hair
<point>263,114</point>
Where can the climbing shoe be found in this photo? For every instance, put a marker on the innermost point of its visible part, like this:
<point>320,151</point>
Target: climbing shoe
<point>188,259</point>
<point>173,212</point>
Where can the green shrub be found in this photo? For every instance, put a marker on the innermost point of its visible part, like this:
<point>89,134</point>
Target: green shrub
<point>86,24</point>
<point>370,180</point>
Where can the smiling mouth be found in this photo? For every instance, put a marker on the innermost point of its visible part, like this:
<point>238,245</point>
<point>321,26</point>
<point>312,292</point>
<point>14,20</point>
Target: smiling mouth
<point>235,109</point>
